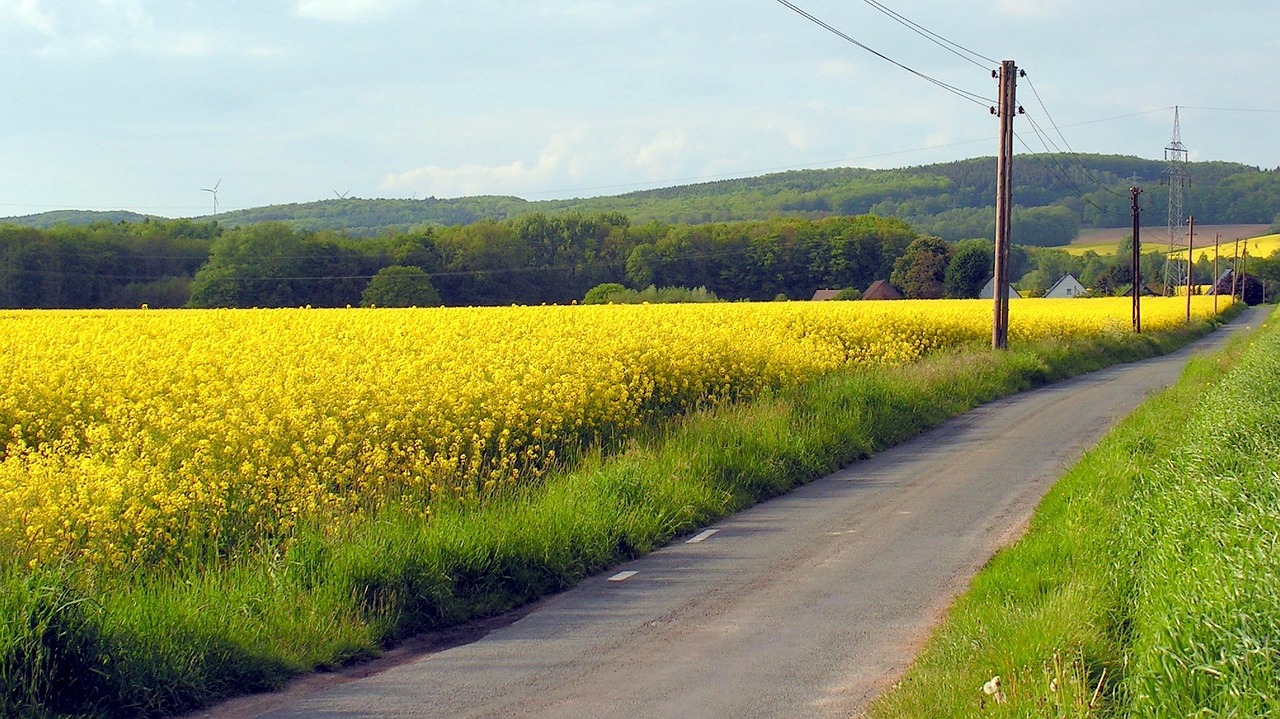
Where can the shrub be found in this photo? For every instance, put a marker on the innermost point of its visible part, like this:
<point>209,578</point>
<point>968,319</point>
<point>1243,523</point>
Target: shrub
<point>400,286</point>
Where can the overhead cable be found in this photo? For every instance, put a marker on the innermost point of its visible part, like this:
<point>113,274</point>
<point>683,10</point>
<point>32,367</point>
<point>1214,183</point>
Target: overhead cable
<point>954,48</point>
<point>963,94</point>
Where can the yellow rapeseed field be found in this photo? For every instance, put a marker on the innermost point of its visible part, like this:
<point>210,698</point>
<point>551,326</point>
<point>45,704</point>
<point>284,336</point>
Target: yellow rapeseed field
<point>131,437</point>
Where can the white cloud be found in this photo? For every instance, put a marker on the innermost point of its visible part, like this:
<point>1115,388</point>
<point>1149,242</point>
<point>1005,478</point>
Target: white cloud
<point>555,161</point>
<point>131,11</point>
<point>347,10</point>
<point>29,13</point>
<point>839,69</point>
<point>665,155</point>
<point>186,44</point>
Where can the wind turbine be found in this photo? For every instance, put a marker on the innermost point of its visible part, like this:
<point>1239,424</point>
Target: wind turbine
<point>342,195</point>
<point>214,191</point>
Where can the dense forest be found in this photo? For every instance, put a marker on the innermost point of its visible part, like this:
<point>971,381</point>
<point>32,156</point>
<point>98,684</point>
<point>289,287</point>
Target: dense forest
<point>782,235</point>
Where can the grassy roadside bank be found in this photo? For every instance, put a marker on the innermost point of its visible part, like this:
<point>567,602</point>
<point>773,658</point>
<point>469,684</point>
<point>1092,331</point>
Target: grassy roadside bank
<point>161,644</point>
<point>1148,584</point>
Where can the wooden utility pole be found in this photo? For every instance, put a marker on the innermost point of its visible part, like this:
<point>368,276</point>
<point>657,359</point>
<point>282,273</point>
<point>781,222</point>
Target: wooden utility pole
<point>1137,271</point>
<point>1008,76</point>
<point>1191,242</point>
<point>1244,270</point>
<point>1235,270</point>
<point>1217,240</point>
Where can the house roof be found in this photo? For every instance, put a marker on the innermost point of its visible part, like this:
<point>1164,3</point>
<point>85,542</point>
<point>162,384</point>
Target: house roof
<point>825,294</point>
<point>1066,286</point>
<point>881,290</point>
<point>988,291</point>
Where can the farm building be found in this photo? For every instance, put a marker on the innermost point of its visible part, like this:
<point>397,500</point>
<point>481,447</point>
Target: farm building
<point>881,290</point>
<point>1068,286</point>
<point>821,295</point>
<point>1248,287</point>
<point>988,291</point>
<point>1148,290</point>
<point>1224,284</point>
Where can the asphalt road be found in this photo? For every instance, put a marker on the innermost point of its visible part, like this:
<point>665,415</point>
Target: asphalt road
<point>804,606</point>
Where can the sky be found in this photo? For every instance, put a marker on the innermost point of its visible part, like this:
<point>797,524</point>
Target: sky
<point>144,105</point>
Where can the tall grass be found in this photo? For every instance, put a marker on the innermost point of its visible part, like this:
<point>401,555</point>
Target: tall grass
<point>1206,534</point>
<point>1148,582</point>
<point>156,644</point>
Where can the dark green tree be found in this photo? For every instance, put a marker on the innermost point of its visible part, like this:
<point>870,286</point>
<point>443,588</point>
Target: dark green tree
<point>921,272</point>
<point>641,264</point>
<point>400,286</point>
<point>970,267</point>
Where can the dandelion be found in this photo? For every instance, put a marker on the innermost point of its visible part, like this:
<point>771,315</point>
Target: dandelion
<point>992,689</point>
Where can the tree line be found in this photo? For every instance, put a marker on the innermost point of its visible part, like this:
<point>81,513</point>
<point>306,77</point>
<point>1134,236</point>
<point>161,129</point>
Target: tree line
<point>102,265</point>
<point>530,259</point>
<point>541,258</point>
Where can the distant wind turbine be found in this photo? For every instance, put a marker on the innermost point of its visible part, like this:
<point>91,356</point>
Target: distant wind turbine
<point>342,195</point>
<point>214,191</point>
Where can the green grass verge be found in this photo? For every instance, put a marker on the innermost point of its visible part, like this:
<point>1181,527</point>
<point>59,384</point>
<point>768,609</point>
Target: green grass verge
<point>1148,584</point>
<point>159,644</point>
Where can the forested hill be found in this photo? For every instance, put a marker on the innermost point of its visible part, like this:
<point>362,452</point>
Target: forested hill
<point>46,220</point>
<point>1057,194</point>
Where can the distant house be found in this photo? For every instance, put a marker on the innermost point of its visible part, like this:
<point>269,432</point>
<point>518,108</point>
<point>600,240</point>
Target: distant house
<point>1068,286</point>
<point>1248,286</point>
<point>988,291</point>
<point>1146,291</point>
<point>1224,284</point>
<point>821,295</point>
<point>881,290</point>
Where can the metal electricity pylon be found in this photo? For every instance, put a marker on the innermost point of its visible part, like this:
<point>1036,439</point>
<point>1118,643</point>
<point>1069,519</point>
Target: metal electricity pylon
<point>1178,176</point>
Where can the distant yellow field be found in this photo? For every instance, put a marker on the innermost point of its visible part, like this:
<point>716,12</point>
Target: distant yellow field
<point>1105,242</point>
<point>1256,247</point>
<point>1106,249</point>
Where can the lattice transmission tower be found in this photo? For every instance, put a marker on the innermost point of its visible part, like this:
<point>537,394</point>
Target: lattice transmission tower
<point>1178,176</point>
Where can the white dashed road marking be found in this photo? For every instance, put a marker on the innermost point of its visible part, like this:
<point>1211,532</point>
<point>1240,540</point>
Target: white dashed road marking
<point>622,576</point>
<point>701,536</point>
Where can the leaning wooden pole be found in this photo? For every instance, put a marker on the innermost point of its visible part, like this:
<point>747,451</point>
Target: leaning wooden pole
<point>1235,270</point>
<point>1244,271</point>
<point>1007,75</point>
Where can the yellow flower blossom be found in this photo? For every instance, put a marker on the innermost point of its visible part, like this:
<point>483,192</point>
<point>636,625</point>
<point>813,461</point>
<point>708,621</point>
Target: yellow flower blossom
<point>130,437</point>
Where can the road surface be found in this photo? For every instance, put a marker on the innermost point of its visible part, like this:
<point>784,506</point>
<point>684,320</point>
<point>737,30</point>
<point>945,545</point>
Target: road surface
<point>804,606</point>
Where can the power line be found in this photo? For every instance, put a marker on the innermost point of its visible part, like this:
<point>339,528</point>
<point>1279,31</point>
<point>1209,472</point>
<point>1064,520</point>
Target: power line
<point>1047,141</point>
<point>1057,169</point>
<point>641,187</point>
<point>595,264</point>
<point>954,48</point>
<point>1064,172</point>
<point>963,94</point>
<point>1229,109</point>
<point>1040,100</point>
